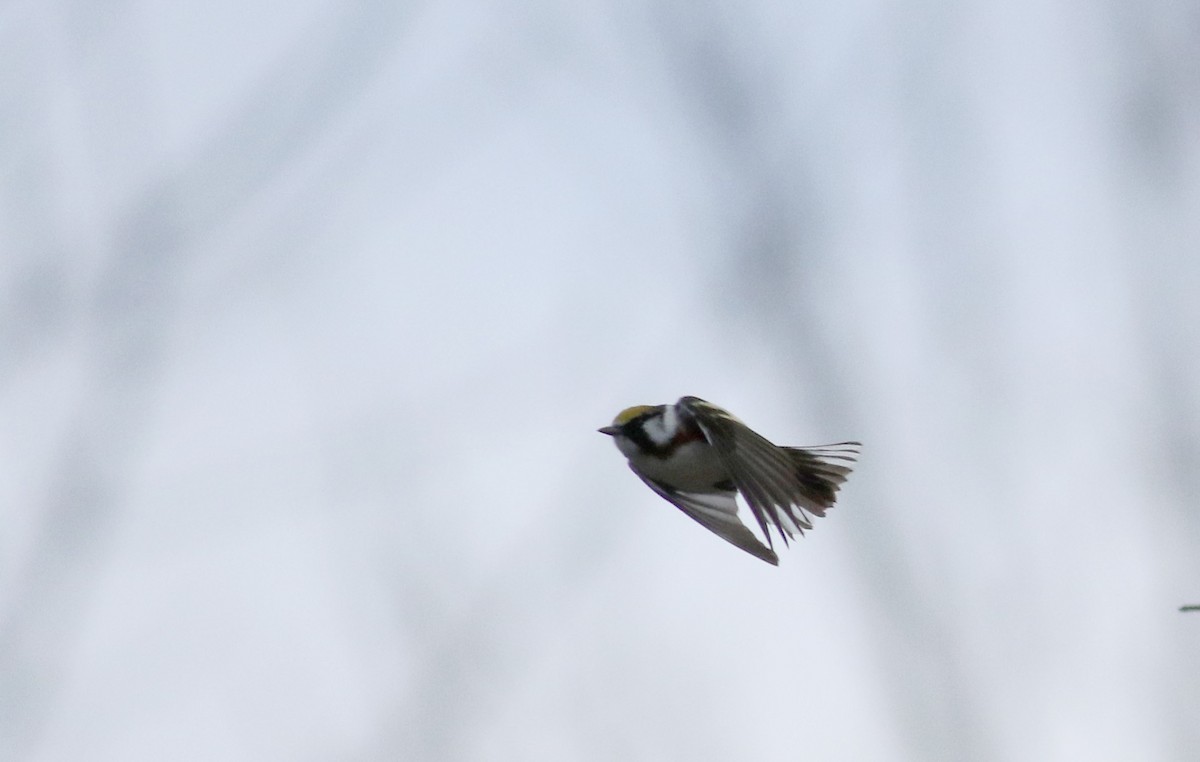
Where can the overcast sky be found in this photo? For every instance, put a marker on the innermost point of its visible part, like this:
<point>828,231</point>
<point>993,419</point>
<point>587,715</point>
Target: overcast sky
<point>309,312</point>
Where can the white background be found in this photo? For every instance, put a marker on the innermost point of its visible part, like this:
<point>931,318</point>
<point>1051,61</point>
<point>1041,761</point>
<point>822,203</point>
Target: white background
<point>309,312</point>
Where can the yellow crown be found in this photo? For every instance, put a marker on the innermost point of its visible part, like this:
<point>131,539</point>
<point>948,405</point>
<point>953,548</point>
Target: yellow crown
<point>629,413</point>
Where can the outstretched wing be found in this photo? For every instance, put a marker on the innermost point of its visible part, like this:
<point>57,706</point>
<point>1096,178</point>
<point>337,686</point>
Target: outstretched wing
<point>780,484</point>
<point>717,512</point>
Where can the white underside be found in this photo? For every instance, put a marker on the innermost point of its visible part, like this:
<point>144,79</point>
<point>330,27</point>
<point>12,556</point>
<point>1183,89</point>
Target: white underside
<point>694,467</point>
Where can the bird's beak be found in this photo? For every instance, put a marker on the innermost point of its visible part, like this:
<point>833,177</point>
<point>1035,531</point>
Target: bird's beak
<point>612,431</point>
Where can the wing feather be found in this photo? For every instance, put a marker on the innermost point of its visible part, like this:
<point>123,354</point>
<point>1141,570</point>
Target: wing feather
<point>782,485</point>
<point>716,512</point>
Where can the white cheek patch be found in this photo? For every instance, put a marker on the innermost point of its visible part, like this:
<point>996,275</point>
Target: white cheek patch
<point>658,431</point>
<point>669,422</point>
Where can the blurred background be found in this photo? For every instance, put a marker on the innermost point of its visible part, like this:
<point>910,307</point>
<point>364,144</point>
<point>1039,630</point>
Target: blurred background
<point>309,312</point>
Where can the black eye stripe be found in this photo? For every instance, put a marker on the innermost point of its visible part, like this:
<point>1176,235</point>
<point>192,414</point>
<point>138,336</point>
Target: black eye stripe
<point>636,431</point>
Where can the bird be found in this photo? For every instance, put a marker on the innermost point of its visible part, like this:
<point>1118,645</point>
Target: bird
<point>700,457</point>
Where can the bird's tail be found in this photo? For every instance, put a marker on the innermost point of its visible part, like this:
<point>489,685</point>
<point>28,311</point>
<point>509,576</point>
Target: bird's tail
<point>821,470</point>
